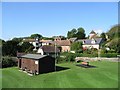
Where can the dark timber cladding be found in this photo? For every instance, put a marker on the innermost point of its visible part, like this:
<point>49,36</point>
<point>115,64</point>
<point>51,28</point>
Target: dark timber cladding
<point>36,63</point>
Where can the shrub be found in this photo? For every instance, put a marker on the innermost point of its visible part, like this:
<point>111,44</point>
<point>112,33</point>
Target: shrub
<point>108,55</point>
<point>60,59</point>
<point>8,62</point>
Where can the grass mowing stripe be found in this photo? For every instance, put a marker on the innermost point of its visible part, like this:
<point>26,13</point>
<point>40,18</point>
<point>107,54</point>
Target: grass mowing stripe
<point>104,76</point>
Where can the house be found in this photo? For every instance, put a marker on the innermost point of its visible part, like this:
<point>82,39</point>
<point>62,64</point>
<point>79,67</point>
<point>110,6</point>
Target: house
<point>48,50</point>
<point>37,42</point>
<point>64,44</point>
<point>36,64</point>
<point>73,39</point>
<point>92,43</point>
<point>92,34</point>
<point>45,42</point>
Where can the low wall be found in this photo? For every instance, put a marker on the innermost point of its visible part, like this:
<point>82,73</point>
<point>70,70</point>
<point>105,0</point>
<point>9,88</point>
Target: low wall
<point>97,59</point>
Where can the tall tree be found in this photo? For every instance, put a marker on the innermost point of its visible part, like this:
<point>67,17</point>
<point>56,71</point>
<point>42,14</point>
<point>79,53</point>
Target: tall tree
<point>114,32</point>
<point>33,36</point>
<point>26,47</point>
<point>10,48</point>
<point>79,33</point>
<point>103,36</point>
<point>72,33</point>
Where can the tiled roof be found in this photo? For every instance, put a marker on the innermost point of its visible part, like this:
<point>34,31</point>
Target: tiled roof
<point>45,41</point>
<point>49,48</point>
<point>88,41</point>
<point>92,32</point>
<point>73,39</point>
<point>28,40</point>
<point>63,42</point>
<point>33,40</point>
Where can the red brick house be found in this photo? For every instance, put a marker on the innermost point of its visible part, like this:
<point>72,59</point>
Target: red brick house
<point>36,64</point>
<point>64,44</point>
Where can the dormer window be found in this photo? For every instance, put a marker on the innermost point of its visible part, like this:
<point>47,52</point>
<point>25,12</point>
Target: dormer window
<point>93,41</point>
<point>84,42</point>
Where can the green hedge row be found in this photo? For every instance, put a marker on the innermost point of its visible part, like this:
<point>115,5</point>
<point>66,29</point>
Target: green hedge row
<point>68,57</point>
<point>8,62</point>
<point>109,55</point>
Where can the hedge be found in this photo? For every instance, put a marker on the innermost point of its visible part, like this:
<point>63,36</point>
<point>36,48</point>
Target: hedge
<point>8,62</point>
<point>68,57</point>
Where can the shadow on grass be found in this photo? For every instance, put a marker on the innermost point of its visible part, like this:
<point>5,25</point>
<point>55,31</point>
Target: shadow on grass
<point>58,68</point>
<point>86,66</point>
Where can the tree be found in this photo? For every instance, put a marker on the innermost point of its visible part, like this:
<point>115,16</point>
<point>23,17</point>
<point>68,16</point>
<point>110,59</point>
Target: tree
<point>114,36</point>
<point>76,46</point>
<point>115,44</point>
<point>103,36</point>
<point>33,36</point>
<point>10,48</point>
<point>114,32</point>
<point>79,33</point>
<point>17,39</point>
<point>1,42</point>
<point>72,33</point>
<point>26,47</point>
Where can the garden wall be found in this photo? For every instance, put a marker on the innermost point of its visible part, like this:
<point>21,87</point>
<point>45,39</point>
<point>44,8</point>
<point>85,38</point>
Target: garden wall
<point>97,59</point>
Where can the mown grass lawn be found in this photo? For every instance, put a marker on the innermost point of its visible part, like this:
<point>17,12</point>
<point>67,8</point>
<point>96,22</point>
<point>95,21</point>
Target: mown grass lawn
<point>105,75</point>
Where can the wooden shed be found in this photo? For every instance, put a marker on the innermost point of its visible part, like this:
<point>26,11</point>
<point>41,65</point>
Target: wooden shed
<point>36,64</point>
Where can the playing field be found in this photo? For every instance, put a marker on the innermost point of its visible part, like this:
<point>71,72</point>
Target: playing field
<point>104,75</point>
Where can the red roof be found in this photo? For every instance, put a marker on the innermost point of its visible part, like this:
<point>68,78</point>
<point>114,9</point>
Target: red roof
<point>63,42</point>
<point>49,48</point>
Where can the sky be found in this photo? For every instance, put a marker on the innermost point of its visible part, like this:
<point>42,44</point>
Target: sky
<point>21,19</point>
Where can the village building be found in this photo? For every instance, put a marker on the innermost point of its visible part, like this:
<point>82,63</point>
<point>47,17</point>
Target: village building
<point>91,43</point>
<point>37,42</point>
<point>36,64</point>
<point>64,44</point>
<point>73,39</point>
<point>92,34</point>
<point>48,50</point>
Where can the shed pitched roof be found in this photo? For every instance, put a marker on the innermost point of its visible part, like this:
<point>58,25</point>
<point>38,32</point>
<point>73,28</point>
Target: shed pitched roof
<point>49,48</point>
<point>33,56</point>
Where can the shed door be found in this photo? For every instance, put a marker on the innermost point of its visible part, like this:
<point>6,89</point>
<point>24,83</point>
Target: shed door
<point>19,65</point>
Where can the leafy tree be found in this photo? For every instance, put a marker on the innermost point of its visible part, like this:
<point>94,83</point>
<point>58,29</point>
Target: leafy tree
<point>26,47</point>
<point>1,42</point>
<point>8,62</point>
<point>114,32</point>
<point>17,39</point>
<point>114,36</point>
<point>72,33</point>
<point>35,35</point>
<point>10,48</point>
<point>115,44</point>
<point>76,46</point>
<point>79,33</point>
<point>103,36</point>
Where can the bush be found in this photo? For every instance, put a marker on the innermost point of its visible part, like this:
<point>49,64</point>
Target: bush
<point>70,57</point>
<point>8,62</point>
<point>60,59</point>
<point>108,55</point>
